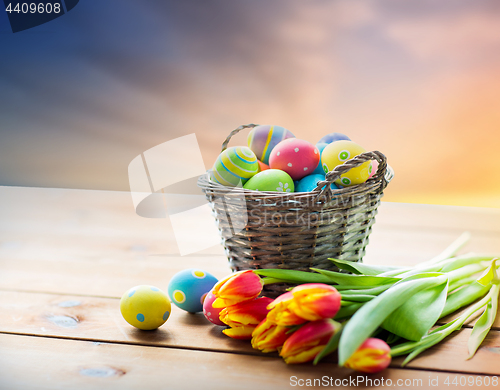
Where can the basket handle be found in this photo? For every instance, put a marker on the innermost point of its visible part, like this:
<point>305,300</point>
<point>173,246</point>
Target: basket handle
<point>236,131</point>
<point>352,163</point>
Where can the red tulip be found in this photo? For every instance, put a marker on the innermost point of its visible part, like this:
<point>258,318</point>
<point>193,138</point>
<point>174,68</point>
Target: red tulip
<point>238,287</point>
<point>308,341</point>
<point>372,356</point>
<point>268,337</point>
<point>244,317</point>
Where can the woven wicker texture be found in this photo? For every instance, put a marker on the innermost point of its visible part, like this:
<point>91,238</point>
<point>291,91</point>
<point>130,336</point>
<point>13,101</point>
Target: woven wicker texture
<point>297,230</point>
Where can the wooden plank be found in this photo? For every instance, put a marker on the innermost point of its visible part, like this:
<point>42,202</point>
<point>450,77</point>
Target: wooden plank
<point>42,363</point>
<point>99,319</point>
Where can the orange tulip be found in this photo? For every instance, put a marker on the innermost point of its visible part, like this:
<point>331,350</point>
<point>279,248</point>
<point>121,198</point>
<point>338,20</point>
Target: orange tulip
<point>268,337</point>
<point>244,317</point>
<point>372,356</point>
<point>307,302</point>
<point>238,287</point>
<point>308,341</point>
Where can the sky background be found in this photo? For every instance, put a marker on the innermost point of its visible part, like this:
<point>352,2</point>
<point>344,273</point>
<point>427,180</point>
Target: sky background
<point>83,95</point>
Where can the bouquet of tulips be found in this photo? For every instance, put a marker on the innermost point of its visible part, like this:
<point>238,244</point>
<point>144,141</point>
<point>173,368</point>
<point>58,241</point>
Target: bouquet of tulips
<point>333,311</point>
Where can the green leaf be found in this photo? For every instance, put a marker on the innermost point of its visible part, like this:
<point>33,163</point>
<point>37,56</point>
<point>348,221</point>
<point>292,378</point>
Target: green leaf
<point>464,297</point>
<point>347,311</point>
<point>294,276</point>
<point>356,280</point>
<point>489,275</point>
<point>331,346</point>
<point>484,323</point>
<point>357,297</point>
<point>363,269</point>
<point>415,317</point>
<point>373,313</point>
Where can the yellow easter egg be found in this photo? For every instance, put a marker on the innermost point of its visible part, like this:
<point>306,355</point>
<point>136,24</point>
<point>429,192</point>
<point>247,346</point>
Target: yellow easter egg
<point>145,307</point>
<point>339,152</point>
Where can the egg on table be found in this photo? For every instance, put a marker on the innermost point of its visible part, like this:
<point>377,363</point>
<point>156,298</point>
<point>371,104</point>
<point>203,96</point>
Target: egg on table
<point>211,313</point>
<point>262,139</point>
<point>145,307</point>
<point>339,152</point>
<point>234,166</point>
<point>332,137</point>
<point>188,289</point>
<point>271,180</point>
<point>310,182</point>
<point>296,157</point>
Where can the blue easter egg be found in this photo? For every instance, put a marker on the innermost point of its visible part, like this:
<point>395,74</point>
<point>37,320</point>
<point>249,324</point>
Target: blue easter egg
<point>310,182</point>
<point>332,137</point>
<point>319,169</point>
<point>188,289</point>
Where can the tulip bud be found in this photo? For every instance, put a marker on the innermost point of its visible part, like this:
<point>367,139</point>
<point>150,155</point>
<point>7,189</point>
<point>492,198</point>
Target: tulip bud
<point>308,341</point>
<point>244,317</point>
<point>238,287</point>
<point>307,302</point>
<point>372,356</point>
<point>268,337</point>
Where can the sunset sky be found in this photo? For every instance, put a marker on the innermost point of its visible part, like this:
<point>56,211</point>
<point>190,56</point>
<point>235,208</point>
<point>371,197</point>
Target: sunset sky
<point>83,95</point>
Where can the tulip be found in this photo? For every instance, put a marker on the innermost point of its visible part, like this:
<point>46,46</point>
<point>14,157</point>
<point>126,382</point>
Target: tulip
<point>307,302</point>
<point>308,341</point>
<point>244,317</point>
<point>372,356</point>
<point>280,313</point>
<point>268,336</point>
<point>238,287</point>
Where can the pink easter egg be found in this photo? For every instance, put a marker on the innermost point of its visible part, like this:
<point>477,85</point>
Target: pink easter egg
<point>211,313</point>
<point>373,168</point>
<point>295,156</point>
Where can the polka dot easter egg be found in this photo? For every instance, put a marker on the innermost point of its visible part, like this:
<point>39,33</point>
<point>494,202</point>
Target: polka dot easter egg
<point>270,180</point>
<point>262,140</point>
<point>296,157</point>
<point>145,307</point>
<point>211,313</point>
<point>234,166</point>
<point>188,289</point>
<point>332,137</point>
<point>310,182</point>
<point>339,152</point>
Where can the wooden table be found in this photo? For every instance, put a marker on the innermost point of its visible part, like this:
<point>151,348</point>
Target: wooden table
<point>67,256</point>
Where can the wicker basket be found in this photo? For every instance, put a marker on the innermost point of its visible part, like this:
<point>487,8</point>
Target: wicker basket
<point>297,230</point>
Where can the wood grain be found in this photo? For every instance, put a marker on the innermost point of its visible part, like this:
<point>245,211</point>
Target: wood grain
<point>99,319</point>
<point>43,363</point>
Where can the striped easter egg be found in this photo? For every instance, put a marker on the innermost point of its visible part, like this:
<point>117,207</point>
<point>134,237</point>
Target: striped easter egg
<point>262,139</point>
<point>234,165</point>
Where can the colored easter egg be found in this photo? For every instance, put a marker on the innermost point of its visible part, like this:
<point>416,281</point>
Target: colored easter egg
<point>271,180</point>
<point>296,157</point>
<point>262,140</point>
<point>338,153</point>
<point>332,137</point>
<point>373,168</point>
<point>234,165</point>
<point>188,289</point>
<point>262,166</point>
<point>310,182</point>
<point>145,307</point>
<point>212,313</point>
<point>319,168</point>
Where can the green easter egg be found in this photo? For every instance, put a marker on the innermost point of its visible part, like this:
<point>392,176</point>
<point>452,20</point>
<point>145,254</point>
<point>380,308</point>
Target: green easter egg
<point>234,165</point>
<point>271,180</point>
